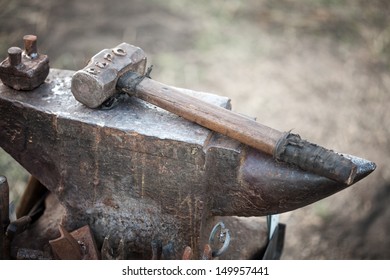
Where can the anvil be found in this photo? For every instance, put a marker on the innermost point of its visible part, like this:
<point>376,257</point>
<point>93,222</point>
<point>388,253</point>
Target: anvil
<point>138,173</point>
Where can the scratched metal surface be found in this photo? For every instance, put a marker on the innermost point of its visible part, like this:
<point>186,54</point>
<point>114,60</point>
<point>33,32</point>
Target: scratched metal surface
<point>137,174</point>
<point>55,97</point>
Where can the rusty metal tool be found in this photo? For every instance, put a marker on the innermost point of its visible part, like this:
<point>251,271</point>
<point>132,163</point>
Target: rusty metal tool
<point>4,218</point>
<point>24,70</point>
<point>76,245</point>
<point>18,226</point>
<point>122,69</point>
<point>145,173</point>
<point>22,223</point>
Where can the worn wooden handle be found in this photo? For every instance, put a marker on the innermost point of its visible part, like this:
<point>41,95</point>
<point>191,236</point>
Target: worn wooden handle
<point>308,156</point>
<point>231,124</point>
<point>205,114</point>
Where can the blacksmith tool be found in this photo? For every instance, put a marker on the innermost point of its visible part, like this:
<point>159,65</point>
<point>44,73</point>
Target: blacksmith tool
<point>122,69</point>
<point>144,174</point>
<point>24,70</point>
<point>22,223</point>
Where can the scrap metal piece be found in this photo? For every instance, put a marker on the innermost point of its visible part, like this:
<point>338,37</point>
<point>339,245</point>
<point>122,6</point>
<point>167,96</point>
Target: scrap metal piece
<point>87,243</point>
<point>66,246</point>
<point>77,245</point>
<point>24,70</point>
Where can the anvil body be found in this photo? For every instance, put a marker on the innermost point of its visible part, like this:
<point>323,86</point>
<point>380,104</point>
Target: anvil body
<point>139,173</point>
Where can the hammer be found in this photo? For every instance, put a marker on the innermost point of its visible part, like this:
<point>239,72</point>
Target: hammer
<point>122,69</point>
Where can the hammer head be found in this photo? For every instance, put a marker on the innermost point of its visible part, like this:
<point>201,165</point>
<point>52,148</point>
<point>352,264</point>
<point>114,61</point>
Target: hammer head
<point>96,82</point>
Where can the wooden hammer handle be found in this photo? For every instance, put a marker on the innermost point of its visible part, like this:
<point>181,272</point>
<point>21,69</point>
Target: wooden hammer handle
<point>240,128</point>
<point>205,114</point>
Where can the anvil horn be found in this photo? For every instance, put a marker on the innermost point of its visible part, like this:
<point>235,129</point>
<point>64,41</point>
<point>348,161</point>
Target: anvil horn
<point>136,171</point>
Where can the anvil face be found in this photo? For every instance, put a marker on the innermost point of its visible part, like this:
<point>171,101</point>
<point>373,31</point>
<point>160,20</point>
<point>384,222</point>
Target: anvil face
<point>139,173</point>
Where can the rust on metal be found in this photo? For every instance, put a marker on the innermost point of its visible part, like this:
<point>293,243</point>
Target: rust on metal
<point>43,229</point>
<point>24,70</point>
<point>18,226</point>
<point>96,83</point>
<point>87,243</point>
<point>76,245</point>
<point>30,46</point>
<point>92,87</point>
<point>141,173</point>
<point>66,246</point>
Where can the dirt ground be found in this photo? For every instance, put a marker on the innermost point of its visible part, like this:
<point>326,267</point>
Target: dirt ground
<point>321,68</point>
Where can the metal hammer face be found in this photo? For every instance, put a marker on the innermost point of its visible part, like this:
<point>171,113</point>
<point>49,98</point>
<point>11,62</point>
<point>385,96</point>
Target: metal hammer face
<point>96,82</point>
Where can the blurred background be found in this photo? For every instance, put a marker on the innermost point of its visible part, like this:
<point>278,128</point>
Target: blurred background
<point>318,67</point>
